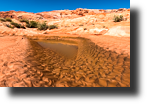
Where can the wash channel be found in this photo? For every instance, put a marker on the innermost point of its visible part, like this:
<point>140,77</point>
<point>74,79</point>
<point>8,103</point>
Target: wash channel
<point>77,62</point>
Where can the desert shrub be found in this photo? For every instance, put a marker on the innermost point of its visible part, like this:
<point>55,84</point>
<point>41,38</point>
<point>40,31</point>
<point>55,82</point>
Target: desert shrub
<point>2,19</point>
<point>42,26</point>
<point>85,28</point>
<point>28,25</point>
<point>92,23</point>
<point>9,26</point>
<point>67,26</point>
<point>23,27</point>
<point>25,20</point>
<point>103,26</point>
<point>52,27</point>
<point>32,24</point>
<point>80,24</point>
<point>17,25</point>
<point>118,18</point>
<point>8,19</point>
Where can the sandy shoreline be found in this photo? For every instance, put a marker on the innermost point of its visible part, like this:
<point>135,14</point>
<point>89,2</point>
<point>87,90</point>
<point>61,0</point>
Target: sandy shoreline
<point>120,45</point>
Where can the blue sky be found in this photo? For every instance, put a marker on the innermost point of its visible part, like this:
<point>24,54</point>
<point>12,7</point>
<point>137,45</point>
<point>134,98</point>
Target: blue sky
<point>49,5</point>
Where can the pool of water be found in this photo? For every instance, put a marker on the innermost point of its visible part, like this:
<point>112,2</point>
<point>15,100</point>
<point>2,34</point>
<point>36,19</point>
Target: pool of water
<point>68,49</point>
<point>92,65</point>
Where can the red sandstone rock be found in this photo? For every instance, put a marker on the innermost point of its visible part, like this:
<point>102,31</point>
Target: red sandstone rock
<point>81,22</point>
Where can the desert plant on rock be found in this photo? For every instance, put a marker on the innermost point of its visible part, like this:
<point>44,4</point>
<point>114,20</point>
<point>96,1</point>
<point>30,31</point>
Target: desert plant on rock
<point>32,24</point>
<point>23,27</point>
<point>2,19</point>
<point>8,19</point>
<point>92,23</point>
<point>80,24</point>
<point>25,20</point>
<point>85,28</point>
<point>67,26</point>
<point>52,27</point>
<point>17,25</point>
<point>103,26</point>
<point>42,26</point>
<point>118,18</point>
<point>9,26</point>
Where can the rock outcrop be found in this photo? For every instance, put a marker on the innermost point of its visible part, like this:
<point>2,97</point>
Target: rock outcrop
<point>88,21</point>
<point>119,31</point>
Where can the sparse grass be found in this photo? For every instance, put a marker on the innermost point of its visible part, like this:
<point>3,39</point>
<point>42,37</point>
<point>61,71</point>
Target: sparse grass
<point>32,24</point>
<point>104,26</point>
<point>25,20</point>
<point>42,26</point>
<point>9,26</point>
<point>8,19</point>
<point>12,27</point>
<point>2,19</point>
<point>23,27</point>
<point>92,23</point>
<point>17,25</point>
<point>52,27</point>
<point>80,24</point>
<point>67,26</point>
<point>118,18</point>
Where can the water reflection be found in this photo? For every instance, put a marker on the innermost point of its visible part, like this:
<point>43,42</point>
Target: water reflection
<point>69,50</point>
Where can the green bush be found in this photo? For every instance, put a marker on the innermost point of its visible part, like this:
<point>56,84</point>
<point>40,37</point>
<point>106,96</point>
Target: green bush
<point>118,18</point>
<point>23,27</point>
<point>17,25</point>
<point>2,19</point>
<point>8,19</point>
<point>32,24</point>
<point>9,26</point>
<point>25,20</point>
<point>52,27</point>
<point>42,26</point>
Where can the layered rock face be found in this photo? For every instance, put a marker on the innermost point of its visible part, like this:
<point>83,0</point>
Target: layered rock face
<point>7,15</point>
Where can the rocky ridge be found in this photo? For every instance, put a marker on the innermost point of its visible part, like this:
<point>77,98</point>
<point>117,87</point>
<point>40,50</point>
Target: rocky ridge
<point>74,22</point>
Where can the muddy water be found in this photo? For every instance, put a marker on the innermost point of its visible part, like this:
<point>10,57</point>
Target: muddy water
<point>92,66</point>
<point>69,50</point>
